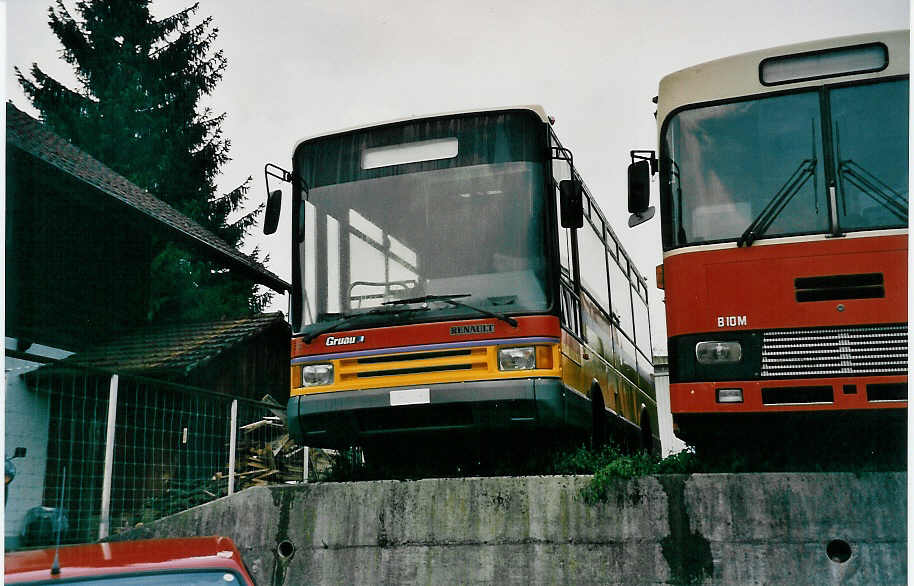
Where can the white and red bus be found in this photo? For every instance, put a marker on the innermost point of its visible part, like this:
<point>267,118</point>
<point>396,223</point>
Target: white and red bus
<point>784,218</point>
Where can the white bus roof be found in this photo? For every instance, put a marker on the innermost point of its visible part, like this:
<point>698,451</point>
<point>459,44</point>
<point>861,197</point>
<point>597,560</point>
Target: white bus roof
<point>537,109</point>
<point>738,75</point>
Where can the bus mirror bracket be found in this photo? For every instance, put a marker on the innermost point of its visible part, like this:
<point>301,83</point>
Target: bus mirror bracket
<point>274,198</point>
<point>571,192</point>
<point>642,167</point>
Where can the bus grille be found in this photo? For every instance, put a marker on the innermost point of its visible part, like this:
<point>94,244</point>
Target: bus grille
<point>448,362</point>
<point>835,351</point>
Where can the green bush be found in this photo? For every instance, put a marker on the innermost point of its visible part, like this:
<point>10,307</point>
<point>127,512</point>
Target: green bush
<point>609,465</point>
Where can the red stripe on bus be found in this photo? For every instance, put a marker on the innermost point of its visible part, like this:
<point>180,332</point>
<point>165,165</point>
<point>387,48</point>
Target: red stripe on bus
<point>754,288</point>
<point>702,397</point>
<point>427,333</point>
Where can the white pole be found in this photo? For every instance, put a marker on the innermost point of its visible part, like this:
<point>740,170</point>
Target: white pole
<point>307,461</point>
<point>233,440</point>
<point>104,524</point>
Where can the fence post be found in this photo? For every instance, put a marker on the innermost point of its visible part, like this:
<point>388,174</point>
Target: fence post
<point>233,440</point>
<point>307,461</point>
<point>104,524</point>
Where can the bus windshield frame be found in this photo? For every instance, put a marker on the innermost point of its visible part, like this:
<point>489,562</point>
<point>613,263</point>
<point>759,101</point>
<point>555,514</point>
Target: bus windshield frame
<point>766,166</point>
<point>473,225</point>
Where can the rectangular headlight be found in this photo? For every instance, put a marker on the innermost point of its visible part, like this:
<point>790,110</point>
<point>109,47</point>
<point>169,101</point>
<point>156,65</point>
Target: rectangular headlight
<point>718,352</point>
<point>517,358</point>
<point>313,375</point>
<point>729,395</point>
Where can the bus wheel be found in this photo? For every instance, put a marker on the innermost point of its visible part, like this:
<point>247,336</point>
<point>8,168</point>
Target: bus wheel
<point>599,429</point>
<point>646,438</point>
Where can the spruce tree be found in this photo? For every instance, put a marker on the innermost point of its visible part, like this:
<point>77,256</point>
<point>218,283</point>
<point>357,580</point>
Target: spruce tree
<point>138,110</point>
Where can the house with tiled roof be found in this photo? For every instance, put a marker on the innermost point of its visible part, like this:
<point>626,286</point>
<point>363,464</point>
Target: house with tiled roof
<point>244,357</point>
<point>78,241</point>
<point>78,254</point>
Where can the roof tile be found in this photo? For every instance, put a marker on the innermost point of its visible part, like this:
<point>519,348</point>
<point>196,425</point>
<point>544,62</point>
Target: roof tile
<point>174,349</point>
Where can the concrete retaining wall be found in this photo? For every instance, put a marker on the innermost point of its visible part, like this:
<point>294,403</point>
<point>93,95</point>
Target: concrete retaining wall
<point>714,528</point>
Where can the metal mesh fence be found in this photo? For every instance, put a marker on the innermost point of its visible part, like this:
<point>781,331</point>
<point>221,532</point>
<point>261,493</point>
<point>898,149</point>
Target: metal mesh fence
<point>170,448</point>
<point>76,431</point>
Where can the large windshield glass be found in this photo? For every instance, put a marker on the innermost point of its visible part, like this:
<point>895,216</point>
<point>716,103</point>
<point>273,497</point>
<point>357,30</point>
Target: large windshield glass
<point>477,230</point>
<point>757,168</point>
<point>871,151</point>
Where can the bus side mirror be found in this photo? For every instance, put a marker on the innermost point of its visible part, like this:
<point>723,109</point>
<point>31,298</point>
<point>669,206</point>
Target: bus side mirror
<point>639,192</point>
<point>571,203</point>
<point>271,216</point>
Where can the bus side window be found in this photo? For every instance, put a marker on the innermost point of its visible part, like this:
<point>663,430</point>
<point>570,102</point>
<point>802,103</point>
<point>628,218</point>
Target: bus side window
<point>621,296</point>
<point>592,257</point>
<point>570,310</point>
<point>642,323</point>
<point>561,170</point>
<point>564,241</point>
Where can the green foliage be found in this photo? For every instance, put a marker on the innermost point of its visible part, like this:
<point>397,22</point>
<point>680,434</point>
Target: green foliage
<point>196,290</point>
<point>518,454</point>
<point>584,460</point>
<point>503,455</point>
<point>138,110</point>
<point>610,465</point>
<point>684,462</point>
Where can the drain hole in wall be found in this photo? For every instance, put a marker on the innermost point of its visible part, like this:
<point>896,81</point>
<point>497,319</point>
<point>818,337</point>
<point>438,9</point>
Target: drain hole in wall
<point>285,549</point>
<point>838,550</point>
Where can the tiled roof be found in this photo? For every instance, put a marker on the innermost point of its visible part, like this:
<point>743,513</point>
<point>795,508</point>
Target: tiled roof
<point>172,349</point>
<point>33,137</point>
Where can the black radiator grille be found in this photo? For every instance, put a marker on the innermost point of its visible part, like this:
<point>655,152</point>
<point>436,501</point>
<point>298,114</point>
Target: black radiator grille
<point>835,351</point>
<point>413,356</point>
<point>447,362</point>
<point>415,370</point>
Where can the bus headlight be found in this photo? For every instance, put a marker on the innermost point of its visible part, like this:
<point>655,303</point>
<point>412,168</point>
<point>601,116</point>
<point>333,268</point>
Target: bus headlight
<point>313,375</point>
<point>718,352</point>
<point>517,358</point>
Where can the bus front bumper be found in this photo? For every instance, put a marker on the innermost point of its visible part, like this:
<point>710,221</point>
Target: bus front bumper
<point>342,418</point>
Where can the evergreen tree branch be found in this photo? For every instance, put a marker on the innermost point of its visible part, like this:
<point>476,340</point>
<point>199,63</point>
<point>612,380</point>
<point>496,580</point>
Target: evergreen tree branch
<point>138,110</point>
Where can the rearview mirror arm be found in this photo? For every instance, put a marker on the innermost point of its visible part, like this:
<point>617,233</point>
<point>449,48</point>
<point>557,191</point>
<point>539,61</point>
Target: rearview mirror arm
<point>277,172</point>
<point>650,156</point>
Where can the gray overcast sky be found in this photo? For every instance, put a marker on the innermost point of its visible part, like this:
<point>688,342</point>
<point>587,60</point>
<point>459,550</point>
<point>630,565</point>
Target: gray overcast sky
<point>296,69</point>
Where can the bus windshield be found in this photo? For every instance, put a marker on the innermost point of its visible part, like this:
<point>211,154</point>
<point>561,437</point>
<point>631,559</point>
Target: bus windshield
<point>762,167</point>
<point>475,232</point>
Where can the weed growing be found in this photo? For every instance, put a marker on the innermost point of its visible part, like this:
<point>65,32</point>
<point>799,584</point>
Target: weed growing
<point>609,465</point>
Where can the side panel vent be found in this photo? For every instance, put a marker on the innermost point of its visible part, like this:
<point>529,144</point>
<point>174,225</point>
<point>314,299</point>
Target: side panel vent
<point>835,287</point>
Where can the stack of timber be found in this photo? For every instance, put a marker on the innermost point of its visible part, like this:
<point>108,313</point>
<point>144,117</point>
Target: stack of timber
<point>267,454</point>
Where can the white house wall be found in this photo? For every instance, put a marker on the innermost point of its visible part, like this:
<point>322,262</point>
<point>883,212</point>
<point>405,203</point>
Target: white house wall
<point>26,425</point>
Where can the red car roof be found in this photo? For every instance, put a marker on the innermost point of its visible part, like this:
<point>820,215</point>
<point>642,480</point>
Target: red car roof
<point>152,555</point>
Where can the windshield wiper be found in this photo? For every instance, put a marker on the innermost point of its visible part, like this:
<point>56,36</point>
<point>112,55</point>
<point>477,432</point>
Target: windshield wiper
<point>804,171</point>
<point>875,188</point>
<point>347,319</point>
<point>450,299</point>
